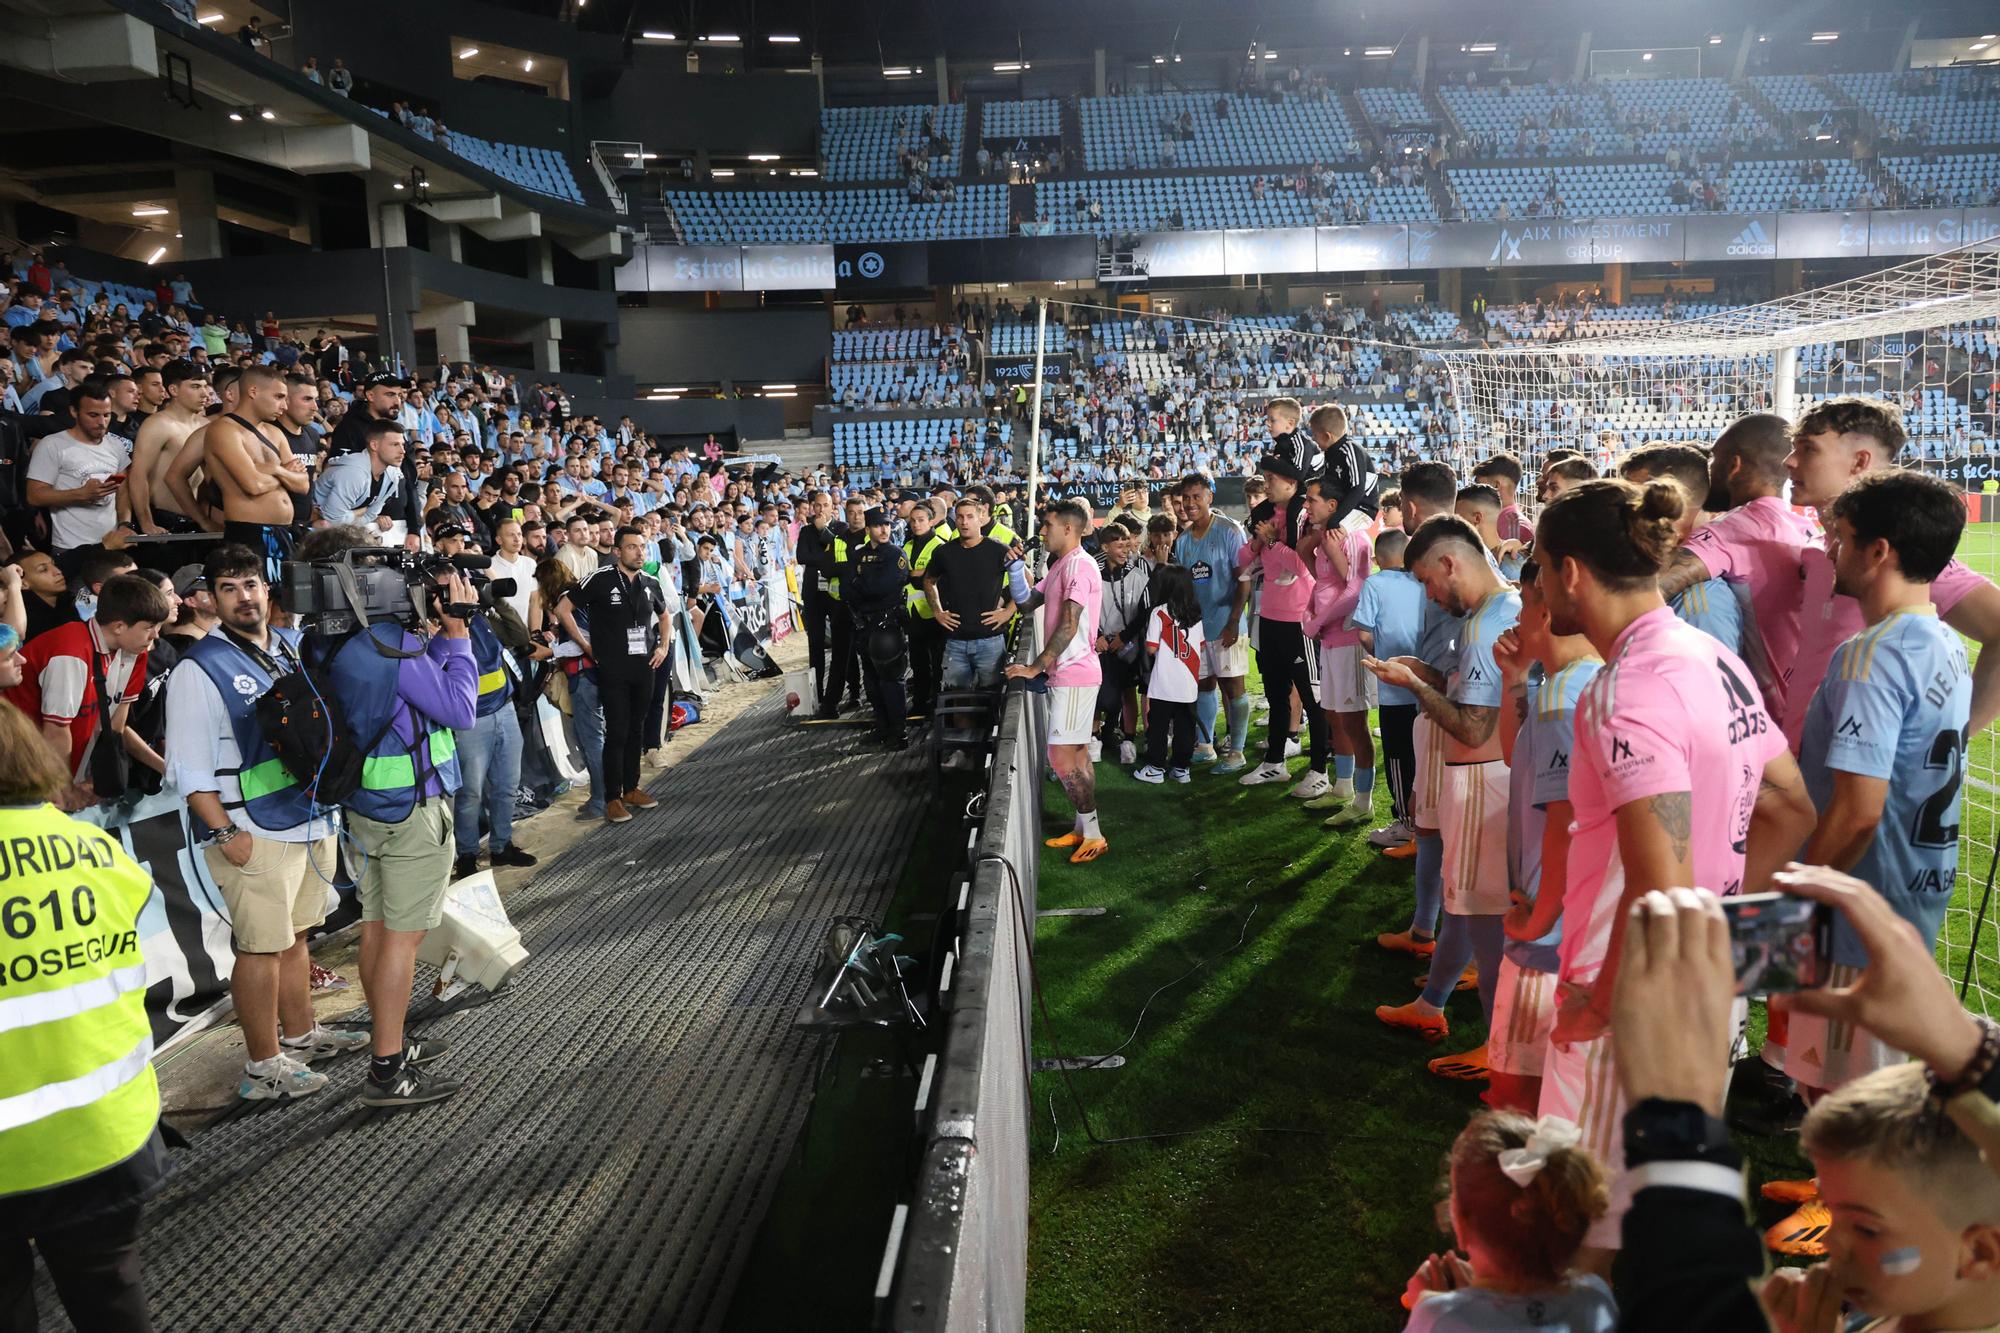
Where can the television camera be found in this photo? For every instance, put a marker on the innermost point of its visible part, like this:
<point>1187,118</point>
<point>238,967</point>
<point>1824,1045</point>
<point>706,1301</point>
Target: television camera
<point>366,585</point>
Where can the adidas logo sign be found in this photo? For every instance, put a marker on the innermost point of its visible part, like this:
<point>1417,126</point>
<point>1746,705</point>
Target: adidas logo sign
<point>1753,242</point>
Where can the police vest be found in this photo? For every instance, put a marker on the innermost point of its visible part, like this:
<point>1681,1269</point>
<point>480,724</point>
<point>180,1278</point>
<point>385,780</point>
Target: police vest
<point>496,686</point>
<point>77,1092</point>
<point>365,683</point>
<point>266,790</point>
<point>839,559</point>
<point>918,553</point>
<point>1003,534</point>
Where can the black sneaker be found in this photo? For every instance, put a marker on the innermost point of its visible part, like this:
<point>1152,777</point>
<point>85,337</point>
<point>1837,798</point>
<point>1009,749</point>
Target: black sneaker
<point>410,1087</point>
<point>425,1051</point>
<point>466,865</point>
<point>510,855</point>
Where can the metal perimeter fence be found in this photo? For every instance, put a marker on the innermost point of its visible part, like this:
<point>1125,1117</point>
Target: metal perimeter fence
<point>957,1257</point>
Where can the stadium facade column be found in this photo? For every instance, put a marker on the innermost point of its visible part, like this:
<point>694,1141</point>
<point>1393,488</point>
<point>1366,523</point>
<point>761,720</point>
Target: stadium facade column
<point>1097,72</point>
<point>446,242</point>
<point>943,80</point>
<point>1451,289</point>
<point>545,343</point>
<point>194,203</point>
<point>388,228</point>
<point>1614,283</point>
<point>1580,72</point>
<point>1423,59</point>
<point>454,322</point>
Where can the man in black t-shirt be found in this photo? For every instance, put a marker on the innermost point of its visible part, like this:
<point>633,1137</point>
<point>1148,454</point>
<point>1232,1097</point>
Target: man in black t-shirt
<point>629,638</point>
<point>966,582</point>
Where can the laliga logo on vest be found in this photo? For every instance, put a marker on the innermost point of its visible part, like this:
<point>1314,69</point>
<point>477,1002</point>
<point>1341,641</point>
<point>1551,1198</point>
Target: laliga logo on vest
<point>244,686</point>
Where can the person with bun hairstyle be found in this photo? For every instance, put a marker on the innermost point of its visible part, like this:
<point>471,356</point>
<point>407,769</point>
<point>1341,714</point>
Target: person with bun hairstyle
<point>1669,704</point>
<point>1523,1193</point>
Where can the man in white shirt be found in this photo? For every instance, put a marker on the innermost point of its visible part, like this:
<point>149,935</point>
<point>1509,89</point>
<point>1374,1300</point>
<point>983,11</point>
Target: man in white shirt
<point>511,561</point>
<point>76,475</point>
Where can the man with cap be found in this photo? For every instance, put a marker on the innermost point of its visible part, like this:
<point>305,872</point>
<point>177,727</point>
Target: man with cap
<point>196,614</point>
<point>874,588</point>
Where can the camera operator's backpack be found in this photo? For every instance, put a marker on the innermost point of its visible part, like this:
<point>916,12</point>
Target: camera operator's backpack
<point>303,723</point>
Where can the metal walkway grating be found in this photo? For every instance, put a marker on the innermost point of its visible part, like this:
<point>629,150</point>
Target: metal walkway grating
<point>632,1095</point>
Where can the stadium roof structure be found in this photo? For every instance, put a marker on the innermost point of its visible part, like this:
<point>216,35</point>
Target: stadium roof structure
<point>1955,287</point>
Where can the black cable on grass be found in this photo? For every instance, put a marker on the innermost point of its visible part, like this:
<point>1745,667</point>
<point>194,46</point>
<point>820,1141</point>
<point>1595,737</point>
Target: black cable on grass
<point>1062,1066</point>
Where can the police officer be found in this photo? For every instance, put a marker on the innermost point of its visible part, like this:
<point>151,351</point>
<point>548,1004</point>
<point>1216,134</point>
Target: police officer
<point>404,696</point>
<point>80,1148</point>
<point>925,634</point>
<point>875,589</point>
<point>489,760</point>
<point>848,539</point>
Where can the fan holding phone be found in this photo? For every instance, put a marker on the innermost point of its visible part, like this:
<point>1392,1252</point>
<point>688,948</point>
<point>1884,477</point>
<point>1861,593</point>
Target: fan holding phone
<point>75,475</point>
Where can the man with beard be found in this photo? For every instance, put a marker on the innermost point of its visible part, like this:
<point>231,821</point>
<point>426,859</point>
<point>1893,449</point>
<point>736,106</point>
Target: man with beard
<point>254,468</point>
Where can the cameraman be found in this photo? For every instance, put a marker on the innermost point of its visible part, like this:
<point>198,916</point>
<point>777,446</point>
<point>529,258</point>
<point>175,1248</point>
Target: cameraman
<point>402,695</point>
<point>489,751</point>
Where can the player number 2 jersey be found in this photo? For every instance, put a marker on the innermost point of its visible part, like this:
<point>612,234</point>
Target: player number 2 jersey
<point>1894,705</point>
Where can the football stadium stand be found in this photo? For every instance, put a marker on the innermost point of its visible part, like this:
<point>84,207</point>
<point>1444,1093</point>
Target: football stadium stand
<point>1148,130</point>
<point>867,143</point>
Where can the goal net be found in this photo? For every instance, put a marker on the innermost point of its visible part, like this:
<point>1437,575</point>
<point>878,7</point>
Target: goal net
<point>1922,334</point>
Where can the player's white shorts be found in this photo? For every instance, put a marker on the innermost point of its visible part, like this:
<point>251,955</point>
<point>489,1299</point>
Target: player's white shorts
<point>1580,1084</point>
<point>1473,823</point>
<point>1070,711</point>
<point>1231,663</point>
<point>1344,685</point>
<point>1428,790</point>
<point>1823,1054</point>
<point>1524,1009</point>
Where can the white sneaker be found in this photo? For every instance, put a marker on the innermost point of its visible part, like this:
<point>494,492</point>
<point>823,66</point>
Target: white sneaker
<point>1266,772</point>
<point>1292,750</point>
<point>1096,750</point>
<point>1179,775</point>
<point>1204,754</point>
<point>1395,835</point>
<point>1312,785</point>
<point>1128,753</point>
<point>1149,774</point>
<point>284,1079</point>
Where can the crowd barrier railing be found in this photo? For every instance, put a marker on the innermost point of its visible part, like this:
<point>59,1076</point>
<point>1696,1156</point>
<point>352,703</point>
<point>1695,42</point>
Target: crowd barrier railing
<point>958,1258</point>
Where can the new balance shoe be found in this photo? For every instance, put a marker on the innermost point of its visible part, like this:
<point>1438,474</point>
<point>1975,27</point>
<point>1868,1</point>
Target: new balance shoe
<point>1311,787</point>
<point>281,1080</point>
<point>1230,761</point>
<point>1149,774</point>
<point>323,1044</point>
<point>424,1051</point>
<point>1204,754</point>
<point>1263,773</point>
<point>410,1086</point>
<point>1395,835</point>
<point>1128,753</point>
<point>1179,775</point>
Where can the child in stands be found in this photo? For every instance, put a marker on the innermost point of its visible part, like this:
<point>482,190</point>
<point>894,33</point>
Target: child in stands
<point>1174,638</point>
<point>1523,1194</point>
